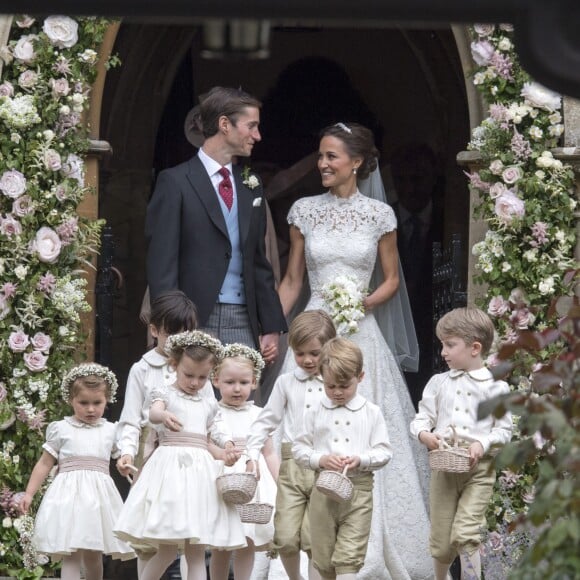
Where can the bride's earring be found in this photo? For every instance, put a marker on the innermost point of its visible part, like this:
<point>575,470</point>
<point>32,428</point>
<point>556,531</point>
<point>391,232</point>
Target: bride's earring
<point>354,170</point>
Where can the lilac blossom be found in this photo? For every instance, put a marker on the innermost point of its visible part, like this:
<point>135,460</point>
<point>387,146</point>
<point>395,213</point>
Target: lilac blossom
<point>46,283</point>
<point>521,147</point>
<point>502,64</point>
<point>68,230</point>
<point>540,234</point>
<point>477,182</point>
<point>8,289</point>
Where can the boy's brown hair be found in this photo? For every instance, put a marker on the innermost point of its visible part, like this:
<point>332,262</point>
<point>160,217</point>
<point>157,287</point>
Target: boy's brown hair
<point>470,324</point>
<point>308,325</point>
<point>342,359</point>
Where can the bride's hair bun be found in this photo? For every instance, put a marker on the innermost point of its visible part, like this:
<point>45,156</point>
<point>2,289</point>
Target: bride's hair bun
<point>359,142</point>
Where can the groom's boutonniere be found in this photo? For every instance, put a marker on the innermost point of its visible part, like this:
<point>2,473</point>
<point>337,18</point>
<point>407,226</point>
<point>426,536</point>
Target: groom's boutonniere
<point>251,181</point>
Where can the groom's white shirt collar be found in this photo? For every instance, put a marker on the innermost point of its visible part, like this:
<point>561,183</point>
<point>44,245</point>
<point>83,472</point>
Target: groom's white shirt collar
<point>212,166</point>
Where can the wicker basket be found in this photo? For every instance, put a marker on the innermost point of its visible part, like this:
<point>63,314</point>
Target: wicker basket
<point>255,513</point>
<point>335,485</point>
<point>447,458</point>
<point>237,488</point>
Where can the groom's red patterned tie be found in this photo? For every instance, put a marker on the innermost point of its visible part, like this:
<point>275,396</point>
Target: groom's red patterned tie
<point>225,187</point>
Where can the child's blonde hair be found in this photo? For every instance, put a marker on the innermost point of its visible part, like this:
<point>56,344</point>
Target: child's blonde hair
<point>341,358</point>
<point>241,353</point>
<point>308,325</point>
<point>470,324</point>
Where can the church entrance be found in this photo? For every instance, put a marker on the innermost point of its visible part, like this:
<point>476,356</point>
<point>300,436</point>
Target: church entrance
<point>408,86</point>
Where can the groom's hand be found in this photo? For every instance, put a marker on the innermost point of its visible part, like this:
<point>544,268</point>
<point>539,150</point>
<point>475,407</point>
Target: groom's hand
<point>269,346</point>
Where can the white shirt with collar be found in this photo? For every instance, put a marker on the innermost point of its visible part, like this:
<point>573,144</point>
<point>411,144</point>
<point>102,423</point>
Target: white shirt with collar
<point>212,167</point>
<point>452,398</point>
<point>293,394</point>
<point>149,372</point>
<point>355,429</point>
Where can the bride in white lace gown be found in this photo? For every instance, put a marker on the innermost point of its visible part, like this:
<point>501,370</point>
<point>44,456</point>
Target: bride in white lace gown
<point>339,233</point>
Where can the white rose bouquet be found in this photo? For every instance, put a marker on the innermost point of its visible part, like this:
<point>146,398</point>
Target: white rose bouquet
<point>344,297</point>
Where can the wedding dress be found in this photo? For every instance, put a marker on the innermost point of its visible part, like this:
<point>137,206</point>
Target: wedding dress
<point>341,238</point>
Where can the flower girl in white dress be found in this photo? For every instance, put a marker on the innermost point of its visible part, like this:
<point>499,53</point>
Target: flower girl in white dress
<point>174,504</point>
<point>236,375</point>
<point>76,517</point>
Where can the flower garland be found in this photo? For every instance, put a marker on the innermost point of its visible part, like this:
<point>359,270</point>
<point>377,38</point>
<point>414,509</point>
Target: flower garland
<point>527,200</point>
<point>236,349</point>
<point>87,370</point>
<point>344,298</point>
<point>49,66</point>
<point>178,342</point>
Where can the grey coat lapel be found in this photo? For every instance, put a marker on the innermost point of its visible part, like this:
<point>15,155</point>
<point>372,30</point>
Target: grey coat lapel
<point>245,204</point>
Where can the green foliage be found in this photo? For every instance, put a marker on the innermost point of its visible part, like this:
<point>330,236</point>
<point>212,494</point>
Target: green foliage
<point>49,66</point>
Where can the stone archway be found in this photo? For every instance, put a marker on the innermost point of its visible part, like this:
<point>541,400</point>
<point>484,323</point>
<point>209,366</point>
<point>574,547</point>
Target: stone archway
<point>143,102</point>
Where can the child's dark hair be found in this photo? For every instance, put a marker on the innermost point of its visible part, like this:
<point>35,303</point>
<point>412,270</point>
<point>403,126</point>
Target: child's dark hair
<point>308,325</point>
<point>173,312</point>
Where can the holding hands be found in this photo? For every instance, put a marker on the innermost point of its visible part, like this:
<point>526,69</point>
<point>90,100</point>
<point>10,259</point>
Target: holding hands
<point>339,462</point>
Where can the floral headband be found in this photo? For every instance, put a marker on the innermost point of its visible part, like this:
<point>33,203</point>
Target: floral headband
<point>236,349</point>
<point>189,338</point>
<point>88,370</point>
<point>343,127</point>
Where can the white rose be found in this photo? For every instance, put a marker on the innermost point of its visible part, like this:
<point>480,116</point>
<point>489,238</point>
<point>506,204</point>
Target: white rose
<point>35,361</point>
<point>89,56</point>
<point>544,162</point>
<point>7,522</point>
<point>24,49</point>
<point>482,51</point>
<point>540,174</point>
<point>504,44</point>
<point>536,133</point>
<point>48,135</point>
<point>47,245</point>
<point>52,160</point>
<point>62,31</point>
<point>512,173</point>
<point>556,130</point>
<point>64,110</point>
<point>539,96</point>
<point>506,266</point>
<point>555,118</point>
<point>12,183</point>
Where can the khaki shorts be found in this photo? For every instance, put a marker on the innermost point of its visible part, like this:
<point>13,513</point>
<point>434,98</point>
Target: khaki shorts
<point>458,503</point>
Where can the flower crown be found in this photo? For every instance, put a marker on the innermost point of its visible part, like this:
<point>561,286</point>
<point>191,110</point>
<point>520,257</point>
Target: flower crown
<point>237,349</point>
<point>189,338</point>
<point>88,370</point>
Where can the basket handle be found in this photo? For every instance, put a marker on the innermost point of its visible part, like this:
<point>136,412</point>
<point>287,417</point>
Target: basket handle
<point>345,470</point>
<point>454,437</point>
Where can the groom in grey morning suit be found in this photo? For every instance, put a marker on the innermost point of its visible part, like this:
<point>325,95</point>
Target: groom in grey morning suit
<point>211,247</point>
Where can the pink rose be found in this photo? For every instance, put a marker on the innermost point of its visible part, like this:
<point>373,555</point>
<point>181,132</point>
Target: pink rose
<point>6,89</point>
<point>522,318</point>
<point>27,79</point>
<point>508,207</point>
<point>47,245</point>
<point>18,341</point>
<point>518,298</point>
<point>482,52</point>
<point>498,306</point>
<point>9,226</point>
<point>495,541</point>
<point>59,87</point>
<point>12,183</point>
<point>41,342</point>
<point>22,206</point>
<point>35,361</point>
<point>484,29</point>
<point>512,173</point>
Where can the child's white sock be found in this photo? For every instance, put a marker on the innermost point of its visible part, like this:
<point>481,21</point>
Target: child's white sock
<point>470,564</point>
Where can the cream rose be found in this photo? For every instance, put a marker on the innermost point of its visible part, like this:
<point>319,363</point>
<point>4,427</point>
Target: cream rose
<point>18,341</point>
<point>496,166</point>
<point>59,87</point>
<point>62,31</point>
<point>12,183</point>
<point>496,190</point>
<point>47,245</point>
<point>498,306</point>
<point>52,160</point>
<point>27,79</point>
<point>484,29</point>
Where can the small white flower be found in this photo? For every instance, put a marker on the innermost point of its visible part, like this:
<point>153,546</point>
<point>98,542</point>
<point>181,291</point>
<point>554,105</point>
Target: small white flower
<point>505,44</point>
<point>536,133</point>
<point>7,522</point>
<point>21,272</point>
<point>546,286</point>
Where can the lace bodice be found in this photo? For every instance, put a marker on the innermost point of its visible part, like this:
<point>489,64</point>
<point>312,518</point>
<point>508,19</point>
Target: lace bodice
<point>341,236</point>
